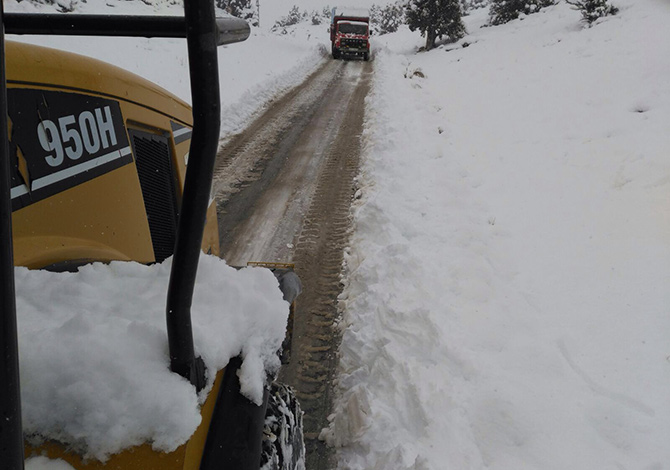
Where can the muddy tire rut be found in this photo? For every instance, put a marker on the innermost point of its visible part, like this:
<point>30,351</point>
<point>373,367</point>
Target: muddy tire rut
<point>284,188</point>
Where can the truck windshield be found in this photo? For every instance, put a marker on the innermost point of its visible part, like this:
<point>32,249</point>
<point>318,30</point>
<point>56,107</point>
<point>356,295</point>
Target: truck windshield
<point>350,28</point>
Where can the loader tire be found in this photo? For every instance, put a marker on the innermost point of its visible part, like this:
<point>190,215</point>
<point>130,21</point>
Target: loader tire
<point>283,444</point>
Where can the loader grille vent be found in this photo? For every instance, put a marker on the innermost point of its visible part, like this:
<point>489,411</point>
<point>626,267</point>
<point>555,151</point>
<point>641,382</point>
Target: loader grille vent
<point>154,168</point>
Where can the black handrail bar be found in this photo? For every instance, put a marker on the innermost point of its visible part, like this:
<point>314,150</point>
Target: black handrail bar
<point>206,101</point>
<point>228,30</point>
<point>11,433</point>
<point>203,33</point>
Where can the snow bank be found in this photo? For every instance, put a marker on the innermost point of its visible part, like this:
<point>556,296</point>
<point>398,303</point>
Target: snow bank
<point>255,72</point>
<point>94,358</point>
<point>507,296</point>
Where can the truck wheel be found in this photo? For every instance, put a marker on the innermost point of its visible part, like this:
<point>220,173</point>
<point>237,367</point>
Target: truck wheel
<point>366,56</point>
<point>336,54</point>
<point>283,445</point>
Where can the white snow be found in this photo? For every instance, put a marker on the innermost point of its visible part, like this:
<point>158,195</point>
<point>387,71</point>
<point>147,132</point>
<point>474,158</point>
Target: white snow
<point>251,73</point>
<point>352,12</point>
<point>44,463</point>
<point>506,300</point>
<point>274,10</point>
<point>507,297</point>
<point>93,350</point>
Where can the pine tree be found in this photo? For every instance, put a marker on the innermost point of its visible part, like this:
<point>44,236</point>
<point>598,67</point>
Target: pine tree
<point>593,9</point>
<point>240,9</point>
<point>294,17</point>
<point>386,19</point>
<point>504,11</point>
<point>469,5</point>
<point>435,19</point>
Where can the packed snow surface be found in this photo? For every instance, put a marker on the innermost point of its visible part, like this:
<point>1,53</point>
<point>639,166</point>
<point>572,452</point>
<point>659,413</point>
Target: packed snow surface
<point>506,301</point>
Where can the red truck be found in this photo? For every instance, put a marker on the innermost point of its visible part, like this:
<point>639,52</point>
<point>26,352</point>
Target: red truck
<point>350,32</point>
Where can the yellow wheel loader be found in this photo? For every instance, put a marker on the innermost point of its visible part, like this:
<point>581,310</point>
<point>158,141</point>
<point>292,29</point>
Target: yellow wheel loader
<point>98,164</point>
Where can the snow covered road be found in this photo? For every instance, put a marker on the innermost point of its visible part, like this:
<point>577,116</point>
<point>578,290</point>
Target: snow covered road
<point>267,176</point>
<point>284,189</point>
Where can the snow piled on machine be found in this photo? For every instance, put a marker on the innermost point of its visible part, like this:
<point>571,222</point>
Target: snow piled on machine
<point>44,463</point>
<point>507,298</point>
<point>94,356</point>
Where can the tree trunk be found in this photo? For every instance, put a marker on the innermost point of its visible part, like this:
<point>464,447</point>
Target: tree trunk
<point>430,39</point>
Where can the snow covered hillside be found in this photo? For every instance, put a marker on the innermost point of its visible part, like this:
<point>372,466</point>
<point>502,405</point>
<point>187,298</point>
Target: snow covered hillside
<point>507,302</point>
<point>508,289</point>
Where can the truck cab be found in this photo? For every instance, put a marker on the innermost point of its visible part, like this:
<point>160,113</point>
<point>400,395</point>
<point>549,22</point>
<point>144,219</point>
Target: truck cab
<point>350,33</point>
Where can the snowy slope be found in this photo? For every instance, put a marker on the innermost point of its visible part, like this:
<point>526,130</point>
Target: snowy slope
<point>507,298</point>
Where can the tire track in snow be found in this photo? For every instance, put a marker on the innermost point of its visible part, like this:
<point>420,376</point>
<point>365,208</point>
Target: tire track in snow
<point>284,189</point>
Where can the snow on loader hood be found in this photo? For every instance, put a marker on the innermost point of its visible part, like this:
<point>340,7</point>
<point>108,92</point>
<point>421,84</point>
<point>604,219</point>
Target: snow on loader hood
<point>94,353</point>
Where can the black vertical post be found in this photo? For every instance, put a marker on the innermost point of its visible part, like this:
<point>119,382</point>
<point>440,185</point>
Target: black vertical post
<point>201,34</point>
<point>11,434</point>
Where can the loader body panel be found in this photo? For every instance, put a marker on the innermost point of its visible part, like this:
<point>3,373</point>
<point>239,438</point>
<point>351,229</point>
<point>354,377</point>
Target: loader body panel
<point>99,162</point>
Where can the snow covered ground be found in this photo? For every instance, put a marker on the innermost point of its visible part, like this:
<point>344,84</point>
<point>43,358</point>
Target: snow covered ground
<point>506,301</point>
